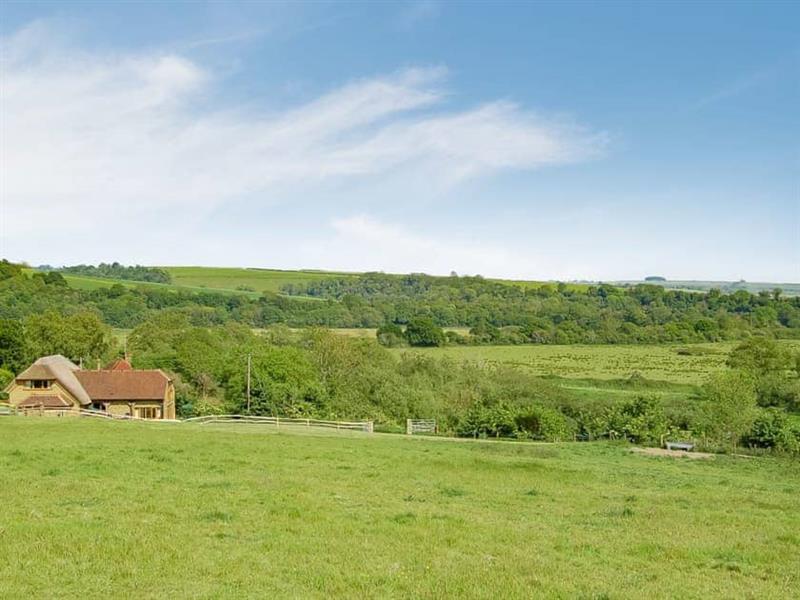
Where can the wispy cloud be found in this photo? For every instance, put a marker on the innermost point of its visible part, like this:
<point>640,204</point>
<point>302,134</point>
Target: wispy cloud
<point>370,244</point>
<point>737,87</point>
<point>418,11</point>
<point>131,134</point>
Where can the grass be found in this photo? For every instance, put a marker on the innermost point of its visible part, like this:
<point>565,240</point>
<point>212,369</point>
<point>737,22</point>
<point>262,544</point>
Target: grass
<point>82,282</point>
<point>99,509</point>
<point>234,279</point>
<point>661,362</point>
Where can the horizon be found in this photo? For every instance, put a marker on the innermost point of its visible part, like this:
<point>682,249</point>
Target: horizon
<point>628,280</point>
<point>525,142</point>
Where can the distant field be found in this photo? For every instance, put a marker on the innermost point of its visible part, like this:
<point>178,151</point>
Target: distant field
<point>250,282</point>
<point>98,509</point>
<point>83,282</point>
<point>728,287</point>
<point>659,362</point>
<point>370,332</point>
<point>260,280</point>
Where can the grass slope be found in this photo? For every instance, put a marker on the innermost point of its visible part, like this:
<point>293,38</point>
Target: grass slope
<point>229,279</point>
<point>98,509</point>
<point>236,280</point>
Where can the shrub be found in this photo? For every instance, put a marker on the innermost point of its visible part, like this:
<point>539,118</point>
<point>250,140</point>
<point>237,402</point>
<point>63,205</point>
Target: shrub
<point>731,406</point>
<point>545,423</point>
<point>390,335</point>
<point>641,420</point>
<point>771,429</point>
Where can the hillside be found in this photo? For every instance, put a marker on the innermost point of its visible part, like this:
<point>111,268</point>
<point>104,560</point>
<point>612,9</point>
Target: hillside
<point>251,513</point>
<point>728,287</point>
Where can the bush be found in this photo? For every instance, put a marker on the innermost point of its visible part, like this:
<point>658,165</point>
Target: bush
<point>771,429</point>
<point>390,335</point>
<point>641,420</point>
<point>731,406</point>
<point>548,424</point>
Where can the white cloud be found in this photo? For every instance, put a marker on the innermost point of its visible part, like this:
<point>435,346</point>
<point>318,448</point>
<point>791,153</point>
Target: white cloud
<point>84,135</point>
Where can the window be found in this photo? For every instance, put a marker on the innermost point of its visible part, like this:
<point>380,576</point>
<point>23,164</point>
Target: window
<point>147,412</point>
<point>37,384</point>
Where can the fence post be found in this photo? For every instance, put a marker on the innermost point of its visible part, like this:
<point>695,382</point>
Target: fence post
<point>369,427</point>
<point>408,426</point>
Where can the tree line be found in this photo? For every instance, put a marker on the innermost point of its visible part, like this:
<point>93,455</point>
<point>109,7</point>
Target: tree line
<point>117,271</point>
<point>495,312</point>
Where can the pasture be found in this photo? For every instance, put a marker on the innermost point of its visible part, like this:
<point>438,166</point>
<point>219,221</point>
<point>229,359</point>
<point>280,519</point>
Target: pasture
<point>238,279</point>
<point>661,362</point>
<point>99,509</point>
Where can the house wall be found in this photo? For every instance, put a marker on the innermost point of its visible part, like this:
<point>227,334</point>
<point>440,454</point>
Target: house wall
<point>128,407</point>
<point>118,407</point>
<point>37,412</point>
<point>169,403</point>
<point>19,392</point>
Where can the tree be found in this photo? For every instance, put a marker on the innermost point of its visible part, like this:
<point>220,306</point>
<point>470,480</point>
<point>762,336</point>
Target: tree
<point>8,270</point>
<point>79,336</point>
<point>390,335</point>
<point>772,429</point>
<point>6,377</point>
<point>424,332</point>
<point>12,345</point>
<point>731,406</point>
<point>641,420</point>
<point>769,363</point>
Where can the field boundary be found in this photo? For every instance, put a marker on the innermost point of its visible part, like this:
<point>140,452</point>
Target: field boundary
<point>365,426</point>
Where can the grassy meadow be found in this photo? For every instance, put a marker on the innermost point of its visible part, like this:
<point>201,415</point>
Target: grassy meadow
<point>662,362</point>
<point>234,279</point>
<point>99,509</point>
<point>237,280</point>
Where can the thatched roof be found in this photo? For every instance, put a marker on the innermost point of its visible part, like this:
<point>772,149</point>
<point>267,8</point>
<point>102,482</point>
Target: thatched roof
<point>60,369</point>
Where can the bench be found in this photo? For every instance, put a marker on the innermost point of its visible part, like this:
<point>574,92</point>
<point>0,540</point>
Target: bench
<point>685,446</point>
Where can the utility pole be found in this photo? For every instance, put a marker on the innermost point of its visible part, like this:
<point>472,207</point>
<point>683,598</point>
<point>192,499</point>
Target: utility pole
<point>248,384</point>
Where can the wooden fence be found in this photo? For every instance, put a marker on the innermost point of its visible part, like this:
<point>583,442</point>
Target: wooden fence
<point>420,426</point>
<point>278,422</point>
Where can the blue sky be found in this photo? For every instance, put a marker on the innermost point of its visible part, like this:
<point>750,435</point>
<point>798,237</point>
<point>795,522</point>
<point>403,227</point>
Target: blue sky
<point>552,141</point>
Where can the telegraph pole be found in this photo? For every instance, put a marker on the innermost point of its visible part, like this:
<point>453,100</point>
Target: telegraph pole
<point>248,384</point>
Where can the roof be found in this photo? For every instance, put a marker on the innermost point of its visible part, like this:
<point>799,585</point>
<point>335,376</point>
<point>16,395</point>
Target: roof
<point>44,401</point>
<point>124,385</point>
<point>121,364</point>
<point>60,369</point>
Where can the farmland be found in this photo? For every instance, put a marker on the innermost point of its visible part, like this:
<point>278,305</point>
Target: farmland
<point>247,281</point>
<point>237,279</point>
<point>665,362</point>
<point>227,513</point>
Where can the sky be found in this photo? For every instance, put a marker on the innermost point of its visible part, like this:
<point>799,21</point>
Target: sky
<point>563,141</point>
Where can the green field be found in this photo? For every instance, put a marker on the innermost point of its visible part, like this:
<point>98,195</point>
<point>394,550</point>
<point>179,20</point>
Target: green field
<point>230,279</point>
<point>83,282</point>
<point>654,362</point>
<point>99,509</point>
<point>237,280</point>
